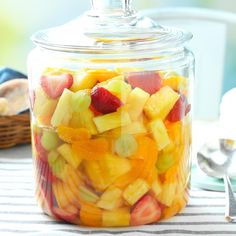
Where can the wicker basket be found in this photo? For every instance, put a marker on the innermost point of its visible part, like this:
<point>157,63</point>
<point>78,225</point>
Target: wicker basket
<point>14,130</point>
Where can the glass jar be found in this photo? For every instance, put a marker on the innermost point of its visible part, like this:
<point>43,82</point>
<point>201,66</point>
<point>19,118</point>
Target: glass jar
<point>111,126</point>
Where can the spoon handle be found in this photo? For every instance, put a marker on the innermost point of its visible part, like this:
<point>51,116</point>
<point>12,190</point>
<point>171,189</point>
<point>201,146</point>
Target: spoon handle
<point>230,211</point>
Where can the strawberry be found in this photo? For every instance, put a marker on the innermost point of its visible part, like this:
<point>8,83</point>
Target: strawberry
<point>41,152</point>
<point>146,211</point>
<point>44,185</point>
<point>68,214</point>
<point>103,101</point>
<point>180,109</point>
<point>148,81</point>
<point>54,85</point>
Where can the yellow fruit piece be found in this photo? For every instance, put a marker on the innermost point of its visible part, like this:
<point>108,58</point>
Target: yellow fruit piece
<point>83,80</point>
<point>57,71</point>
<point>112,120</point>
<point>69,155</point>
<point>44,107</point>
<point>160,104</point>
<point>136,101</point>
<point>176,82</point>
<point>58,190</point>
<point>167,194</point>
<point>110,199</point>
<point>104,172</point>
<point>135,191</point>
<point>119,217</point>
<point>159,133</point>
<point>101,74</point>
<point>91,215</point>
<point>69,174</point>
<point>63,112</point>
<point>156,187</point>
<point>84,120</point>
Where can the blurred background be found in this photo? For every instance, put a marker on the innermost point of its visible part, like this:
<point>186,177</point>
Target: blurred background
<point>20,19</point>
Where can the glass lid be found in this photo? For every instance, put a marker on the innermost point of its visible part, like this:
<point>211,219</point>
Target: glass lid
<point>111,26</point>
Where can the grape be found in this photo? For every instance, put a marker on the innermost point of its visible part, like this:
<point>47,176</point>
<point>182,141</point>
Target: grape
<point>126,145</point>
<point>81,101</point>
<point>49,140</point>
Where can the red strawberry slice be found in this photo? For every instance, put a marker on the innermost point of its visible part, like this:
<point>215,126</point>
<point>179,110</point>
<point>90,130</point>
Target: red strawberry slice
<point>41,152</point>
<point>103,101</point>
<point>146,211</point>
<point>44,185</point>
<point>68,214</point>
<point>148,81</point>
<point>54,85</point>
<point>180,109</point>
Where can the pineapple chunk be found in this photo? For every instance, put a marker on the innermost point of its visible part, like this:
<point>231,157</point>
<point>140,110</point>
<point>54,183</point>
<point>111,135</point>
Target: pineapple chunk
<point>168,193</point>
<point>66,151</point>
<point>135,191</point>
<point>119,217</point>
<point>136,100</point>
<point>104,172</point>
<point>159,133</point>
<point>135,127</point>
<point>176,82</point>
<point>110,199</point>
<point>160,104</point>
<point>112,121</point>
<point>63,112</point>
<point>84,120</point>
<point>156,187</point>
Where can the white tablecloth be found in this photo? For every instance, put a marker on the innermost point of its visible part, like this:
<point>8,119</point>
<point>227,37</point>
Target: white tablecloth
<point>20,215</point>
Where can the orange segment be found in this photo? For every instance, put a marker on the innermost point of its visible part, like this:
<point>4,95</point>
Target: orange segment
<point>91,216</point>
<point>71,135</point>
<point>93,149</point>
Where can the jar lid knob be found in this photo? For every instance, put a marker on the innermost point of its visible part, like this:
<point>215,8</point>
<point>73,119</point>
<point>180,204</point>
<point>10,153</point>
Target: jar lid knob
<point>116,7</point>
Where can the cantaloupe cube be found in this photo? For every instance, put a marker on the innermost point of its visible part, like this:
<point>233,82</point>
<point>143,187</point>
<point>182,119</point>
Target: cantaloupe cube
<point>159,133</point>
<point>135,191</point>
<point>110,199</point>
<point>160,104</point>
<point>136,101</point>
<point>112,120</point>
<point>118,217</point>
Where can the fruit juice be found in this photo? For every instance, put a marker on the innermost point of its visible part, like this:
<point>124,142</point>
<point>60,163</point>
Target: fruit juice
<point>111,147</point>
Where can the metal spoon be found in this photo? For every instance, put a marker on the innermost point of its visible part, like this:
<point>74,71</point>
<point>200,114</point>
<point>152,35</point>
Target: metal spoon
<point>218,159</point>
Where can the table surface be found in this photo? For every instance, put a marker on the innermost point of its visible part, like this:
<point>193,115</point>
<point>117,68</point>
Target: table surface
<point>20,215</point>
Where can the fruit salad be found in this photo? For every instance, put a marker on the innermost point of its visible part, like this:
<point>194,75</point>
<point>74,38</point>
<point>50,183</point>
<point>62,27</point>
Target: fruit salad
<point>111,147</point>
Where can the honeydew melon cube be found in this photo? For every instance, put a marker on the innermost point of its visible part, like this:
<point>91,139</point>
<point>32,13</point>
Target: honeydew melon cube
<point>159,133</point>
<point>63,113</point>
<point>160,104</point>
